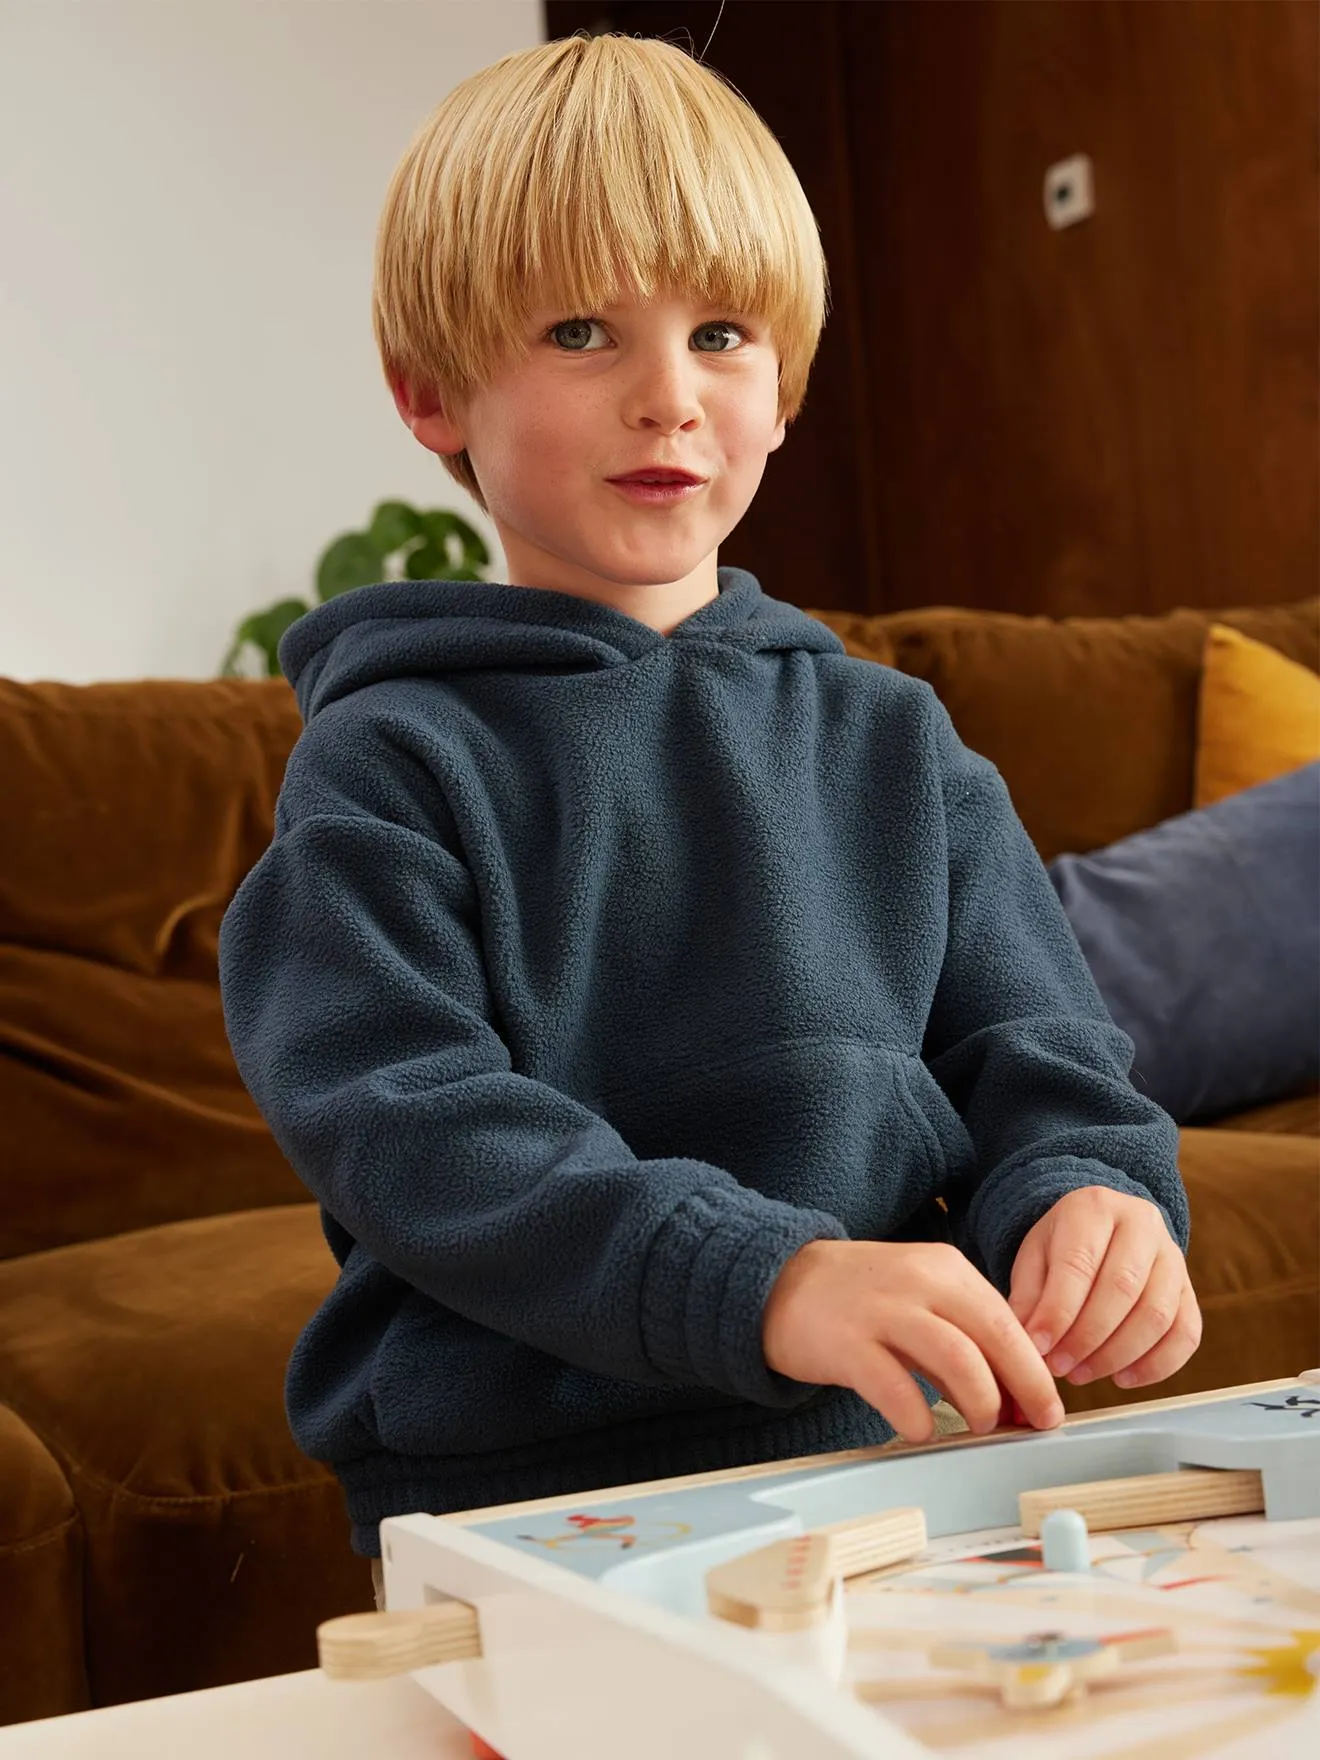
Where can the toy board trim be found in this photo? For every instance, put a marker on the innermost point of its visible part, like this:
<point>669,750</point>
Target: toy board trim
<point>851,1456</point>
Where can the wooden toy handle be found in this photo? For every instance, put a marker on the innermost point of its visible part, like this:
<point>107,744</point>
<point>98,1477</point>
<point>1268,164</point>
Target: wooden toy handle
<point>1192,1494</point>
<point>867,1542</point>
<point>371,1646</point>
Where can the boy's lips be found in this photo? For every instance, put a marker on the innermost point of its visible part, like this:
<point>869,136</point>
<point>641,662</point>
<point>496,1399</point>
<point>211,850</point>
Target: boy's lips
<point>649,490</point>
<point>657,474</point>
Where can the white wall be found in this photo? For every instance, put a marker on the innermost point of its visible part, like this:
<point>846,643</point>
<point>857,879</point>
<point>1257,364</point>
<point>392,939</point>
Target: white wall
<point>191,405</point>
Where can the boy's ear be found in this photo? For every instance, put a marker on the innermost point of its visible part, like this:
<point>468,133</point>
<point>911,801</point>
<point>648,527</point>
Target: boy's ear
<point>411,400</point>
<point>424,414</point>
<point>777,439</point>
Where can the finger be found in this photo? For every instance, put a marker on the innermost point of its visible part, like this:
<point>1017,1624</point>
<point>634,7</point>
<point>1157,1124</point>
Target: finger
<point>884,1383</point>
<point>1173,1350</point>
<point>977,1309</point>
<point>946,1356</point>
<point>1119,1286</point>
<point>1077,1246</point>
<point>1028,1277</point>
<point>1151,1317</point>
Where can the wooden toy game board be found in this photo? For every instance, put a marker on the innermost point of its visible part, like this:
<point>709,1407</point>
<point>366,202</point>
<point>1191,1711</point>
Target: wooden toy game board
<point>585,1628</point>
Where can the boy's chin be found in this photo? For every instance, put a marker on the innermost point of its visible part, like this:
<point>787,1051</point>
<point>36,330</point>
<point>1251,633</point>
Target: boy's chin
<point>640,562</point>
<point>661,562</point>
<point>659,575</point>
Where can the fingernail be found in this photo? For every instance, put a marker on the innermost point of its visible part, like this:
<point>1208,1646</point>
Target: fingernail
<point>1080,1377</point>
<point>1124,1378</point>
<point>1061,1364</point>
<point>1042,1341</point>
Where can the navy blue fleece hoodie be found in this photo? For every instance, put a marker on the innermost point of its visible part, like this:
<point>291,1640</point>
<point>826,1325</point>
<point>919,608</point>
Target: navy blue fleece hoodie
<point>592,972</point>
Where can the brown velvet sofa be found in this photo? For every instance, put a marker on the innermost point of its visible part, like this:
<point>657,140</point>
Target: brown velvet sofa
<point>159,1531</point>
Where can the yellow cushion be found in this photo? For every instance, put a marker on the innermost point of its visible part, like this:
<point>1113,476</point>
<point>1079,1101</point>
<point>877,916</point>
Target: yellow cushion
<point>1259,715</point>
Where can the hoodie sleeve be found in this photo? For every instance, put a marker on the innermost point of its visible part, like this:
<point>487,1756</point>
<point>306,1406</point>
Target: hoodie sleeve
<point>1021,1042</point>
<point>357,1005</point>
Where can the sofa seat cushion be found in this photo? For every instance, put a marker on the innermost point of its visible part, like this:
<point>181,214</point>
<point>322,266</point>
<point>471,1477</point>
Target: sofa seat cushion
<point>41,1616</point>
<point>152,1367</point>
<point>1298,1117</point>
<point>1254,1261</point>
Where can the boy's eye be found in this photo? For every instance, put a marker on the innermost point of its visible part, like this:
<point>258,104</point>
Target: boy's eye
<point>722,327</point>
<point>573,336</point>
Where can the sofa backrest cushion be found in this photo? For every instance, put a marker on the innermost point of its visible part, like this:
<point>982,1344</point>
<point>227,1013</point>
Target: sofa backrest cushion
<point>131,813</point>
<point>1203,936</point>
<point>1090,720</point>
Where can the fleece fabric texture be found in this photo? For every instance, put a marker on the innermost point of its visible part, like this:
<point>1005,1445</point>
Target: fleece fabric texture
<point>591,973</point>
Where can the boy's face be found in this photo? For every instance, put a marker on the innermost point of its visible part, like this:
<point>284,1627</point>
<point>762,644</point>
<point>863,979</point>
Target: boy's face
<point>601,395</point>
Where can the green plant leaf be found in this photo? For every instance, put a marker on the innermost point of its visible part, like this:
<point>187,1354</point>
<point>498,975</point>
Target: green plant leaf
<point>436,544</point>
<point>351,561</point>
<point>392,524</point>
<point>263,630</point>
<point>441,527</point>
<point>426,563</point>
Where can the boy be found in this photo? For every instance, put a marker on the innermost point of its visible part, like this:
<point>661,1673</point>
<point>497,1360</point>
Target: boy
<point>681,1036</point>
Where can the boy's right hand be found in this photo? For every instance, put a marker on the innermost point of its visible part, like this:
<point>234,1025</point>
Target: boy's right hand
<point>863,1314</point>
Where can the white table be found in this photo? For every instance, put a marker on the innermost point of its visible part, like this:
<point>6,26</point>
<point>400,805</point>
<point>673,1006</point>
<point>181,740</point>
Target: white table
<point>285,1717</point>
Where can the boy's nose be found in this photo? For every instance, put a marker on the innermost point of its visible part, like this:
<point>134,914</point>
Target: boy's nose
<point>664,398</point>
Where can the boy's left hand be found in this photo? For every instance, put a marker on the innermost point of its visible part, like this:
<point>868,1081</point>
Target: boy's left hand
<point>1101,1287</point>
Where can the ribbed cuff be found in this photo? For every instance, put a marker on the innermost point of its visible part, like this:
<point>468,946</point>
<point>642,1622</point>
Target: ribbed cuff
<point>707,1279</point>
<point>1001,1216</point>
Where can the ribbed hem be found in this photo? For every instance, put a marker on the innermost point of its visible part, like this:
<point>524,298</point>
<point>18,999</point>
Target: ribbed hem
<point>383,1485</point>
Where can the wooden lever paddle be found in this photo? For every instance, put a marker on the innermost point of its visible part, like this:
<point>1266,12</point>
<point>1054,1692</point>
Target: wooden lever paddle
<point>787,1585</point>
<point>370,1646</point>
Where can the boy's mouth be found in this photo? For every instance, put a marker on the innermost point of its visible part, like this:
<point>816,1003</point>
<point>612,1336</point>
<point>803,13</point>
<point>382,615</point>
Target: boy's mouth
<point>657,489</point>
<point>659,476</point>
<point>658,485</point>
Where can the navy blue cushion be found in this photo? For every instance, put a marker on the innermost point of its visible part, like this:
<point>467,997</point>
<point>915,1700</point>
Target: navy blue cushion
<point>1203,935</point>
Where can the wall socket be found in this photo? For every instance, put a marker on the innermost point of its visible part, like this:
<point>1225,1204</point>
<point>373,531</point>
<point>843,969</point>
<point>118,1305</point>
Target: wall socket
<point>1069,192</point>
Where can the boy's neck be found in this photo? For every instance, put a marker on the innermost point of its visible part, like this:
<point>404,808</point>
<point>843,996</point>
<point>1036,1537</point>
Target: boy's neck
<point>661,606</point>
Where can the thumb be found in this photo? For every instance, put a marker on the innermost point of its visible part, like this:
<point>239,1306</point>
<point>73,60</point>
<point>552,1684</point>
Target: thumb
<point>1028,1278</point>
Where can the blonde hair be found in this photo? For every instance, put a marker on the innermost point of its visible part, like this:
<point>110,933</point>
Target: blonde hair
<point>567,173</point>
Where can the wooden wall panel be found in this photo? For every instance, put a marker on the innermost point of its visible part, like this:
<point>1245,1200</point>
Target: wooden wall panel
<point>1120,415</point>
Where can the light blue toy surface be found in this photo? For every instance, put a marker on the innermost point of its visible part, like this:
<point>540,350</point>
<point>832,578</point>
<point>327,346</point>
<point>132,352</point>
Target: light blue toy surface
<point>660,1545</point>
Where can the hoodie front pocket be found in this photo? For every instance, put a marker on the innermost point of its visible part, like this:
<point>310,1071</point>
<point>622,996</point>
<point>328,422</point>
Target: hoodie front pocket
<point>833,1124</point>
<point>949,1146</point>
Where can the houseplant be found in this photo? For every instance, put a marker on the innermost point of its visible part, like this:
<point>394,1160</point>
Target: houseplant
<point>400,543</point>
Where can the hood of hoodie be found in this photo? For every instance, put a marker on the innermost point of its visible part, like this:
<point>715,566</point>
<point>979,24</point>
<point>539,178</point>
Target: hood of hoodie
<point>419,629</point>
